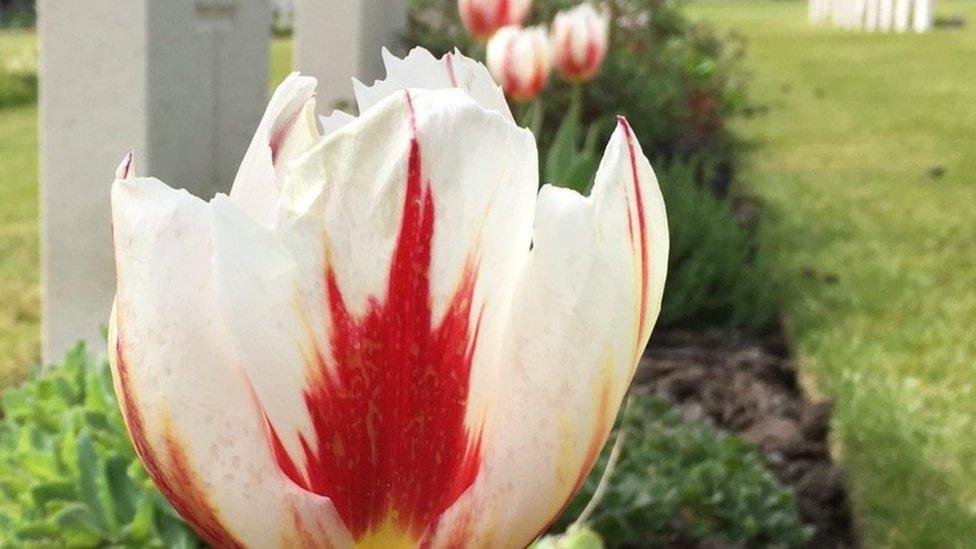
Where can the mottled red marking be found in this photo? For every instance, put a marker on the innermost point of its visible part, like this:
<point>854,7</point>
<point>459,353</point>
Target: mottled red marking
<point>176,479</point>
<point>388,407</point>
<point>641,224</point>
<point>300,536</point>
<point>459,534</point>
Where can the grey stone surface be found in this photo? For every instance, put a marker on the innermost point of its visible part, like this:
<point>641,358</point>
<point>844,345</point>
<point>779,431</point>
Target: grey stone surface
<point>339,39</point>
<point>183,83</point>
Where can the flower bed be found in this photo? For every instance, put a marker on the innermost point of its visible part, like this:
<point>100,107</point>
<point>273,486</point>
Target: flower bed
<point>748,385</point>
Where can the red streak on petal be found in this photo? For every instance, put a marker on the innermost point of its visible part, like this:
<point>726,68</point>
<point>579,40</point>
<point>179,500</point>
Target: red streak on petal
<point>449,61</point>
<point>301,536</point>
<point>641,221</point>
<point>176,479</point>
<point>283,125</point>
<point>388,410</point>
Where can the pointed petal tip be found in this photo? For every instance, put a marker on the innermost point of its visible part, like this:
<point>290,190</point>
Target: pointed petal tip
<point>126,167</point>
<point>623,123</point>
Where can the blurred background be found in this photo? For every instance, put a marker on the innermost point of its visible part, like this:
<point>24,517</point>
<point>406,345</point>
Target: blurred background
<point>811,380</point>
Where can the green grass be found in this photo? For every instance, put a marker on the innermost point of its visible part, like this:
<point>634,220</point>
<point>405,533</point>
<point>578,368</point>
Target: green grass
<point>19,251</point>
<point>19,276</point>
<point>855,123</point>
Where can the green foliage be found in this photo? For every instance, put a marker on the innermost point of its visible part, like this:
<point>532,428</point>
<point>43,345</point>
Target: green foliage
<point>575,538</point>
<point>716,277</point>
<point>568,162</point>
<point>678,483</point>
<point>18,14</point>
<point>69,476</point>
<point>676,81</point>
<point>18,68</point>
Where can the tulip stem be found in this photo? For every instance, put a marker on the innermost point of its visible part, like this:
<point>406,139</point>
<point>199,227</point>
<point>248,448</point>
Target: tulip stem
<point>576,100</point>
<point>601,487</point>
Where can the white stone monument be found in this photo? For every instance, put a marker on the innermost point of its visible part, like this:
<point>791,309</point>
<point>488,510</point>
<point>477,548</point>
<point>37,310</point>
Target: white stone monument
<point>337,39</point>
<point>872,15</point>
<point>903,12</point>
<point>885,13</point>
<point>923,16</point>
<point>183,83</point>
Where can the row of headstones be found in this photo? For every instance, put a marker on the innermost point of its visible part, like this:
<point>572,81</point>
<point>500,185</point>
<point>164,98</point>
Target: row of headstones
<point>183,83</point>
<point>875,15</point>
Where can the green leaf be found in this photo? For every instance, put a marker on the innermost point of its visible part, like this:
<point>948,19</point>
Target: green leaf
<point>46,492</point>
<point>90,483</point>
<point>563,149</point>
<point>580,174</point>
<point>124,495</point>
<point>81,528</point>
<point>69,476</point>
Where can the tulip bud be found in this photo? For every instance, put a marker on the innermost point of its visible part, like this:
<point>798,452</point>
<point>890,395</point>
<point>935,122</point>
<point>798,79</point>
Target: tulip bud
<point>579,41</point>
<point>519,59</point>
<point>483,17</point>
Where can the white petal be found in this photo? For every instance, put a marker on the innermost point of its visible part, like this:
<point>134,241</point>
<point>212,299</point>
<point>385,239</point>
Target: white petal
<point>189,409</point>
<point>582,314</point>
<point>286,131</point>
<point>421,70</point>
<point>326,278</point>
<point>334,122</point>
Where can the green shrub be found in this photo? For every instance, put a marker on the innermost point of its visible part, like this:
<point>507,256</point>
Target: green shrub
<point>678,483</point>
<point>18,14</point>
<point>675,81</point>
<point>716,276</point>
<point>69,476</point>
<point>18,68</point>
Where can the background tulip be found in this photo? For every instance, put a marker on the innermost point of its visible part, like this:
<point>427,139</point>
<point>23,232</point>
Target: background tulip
<point>579,42</point>
<point>519,59</point>
<point>483,17</point>
<point>359,345</point>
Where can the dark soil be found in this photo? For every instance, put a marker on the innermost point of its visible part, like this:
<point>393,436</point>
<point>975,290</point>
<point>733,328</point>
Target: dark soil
<point>748,385</point>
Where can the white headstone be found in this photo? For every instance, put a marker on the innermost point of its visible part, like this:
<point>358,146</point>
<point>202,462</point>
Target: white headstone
<point>338,39</point>
<point>871,15</point>
<point>885,14</point>
<point>922,18</point>
<point>902,14</point>
<point>183,83</point>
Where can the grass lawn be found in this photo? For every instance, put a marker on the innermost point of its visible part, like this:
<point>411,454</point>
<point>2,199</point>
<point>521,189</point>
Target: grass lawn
<point>876,258</point>
<point>19,276</point>
<point>19,253</point>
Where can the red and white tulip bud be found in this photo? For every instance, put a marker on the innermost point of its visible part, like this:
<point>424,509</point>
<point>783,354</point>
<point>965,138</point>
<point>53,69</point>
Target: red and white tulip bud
<point>483,17</point>
<point>520,61</point>
<point>579,42</point>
